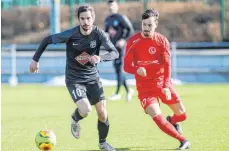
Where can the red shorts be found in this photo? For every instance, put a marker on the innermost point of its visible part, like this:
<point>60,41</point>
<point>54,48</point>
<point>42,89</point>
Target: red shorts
<point>155,95</point>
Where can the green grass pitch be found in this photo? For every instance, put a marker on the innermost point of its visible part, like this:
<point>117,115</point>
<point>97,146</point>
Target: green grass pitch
<point>26,109</point>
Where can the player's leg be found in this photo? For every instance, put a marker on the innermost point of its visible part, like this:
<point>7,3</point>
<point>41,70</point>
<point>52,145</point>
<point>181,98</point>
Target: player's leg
<point>177,107</point>
<point>122,80</point>
<point>83,109</point>
<point>117,95</point>
<point>119,75</point>
<point>103,125</point>
<point>103,122</point>
<point>118,69</point>
<point>78,93</point>
<point>96,95</point>
<point>180,115</point>
<point>129,91</point>
<point>151,106</point>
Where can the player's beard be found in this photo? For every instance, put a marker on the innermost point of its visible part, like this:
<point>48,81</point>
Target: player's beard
<point>147,33</point>
<point>86,28</point>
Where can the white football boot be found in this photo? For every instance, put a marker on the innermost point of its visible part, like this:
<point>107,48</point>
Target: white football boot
<point>106,147</point>
<point>129,95</point>
<point>115,97</point>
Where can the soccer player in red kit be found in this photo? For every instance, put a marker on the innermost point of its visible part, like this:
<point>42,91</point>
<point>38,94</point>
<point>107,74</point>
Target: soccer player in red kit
<point>148,57</point>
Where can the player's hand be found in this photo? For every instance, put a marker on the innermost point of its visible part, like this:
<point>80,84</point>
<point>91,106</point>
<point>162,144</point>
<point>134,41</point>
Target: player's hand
<point>167,93</point>
<point>120,43</point>
<point>34,67</point>
<point>141,71</point>
<point>95,59</point>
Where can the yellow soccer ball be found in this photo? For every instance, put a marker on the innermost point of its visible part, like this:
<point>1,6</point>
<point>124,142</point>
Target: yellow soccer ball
<point>45,140</point>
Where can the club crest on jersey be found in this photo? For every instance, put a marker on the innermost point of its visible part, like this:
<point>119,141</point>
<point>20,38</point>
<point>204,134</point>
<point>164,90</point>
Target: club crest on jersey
<point>83,58</point>
<point>93,44</point>
<point>152,50</point>
<point>115,23</point>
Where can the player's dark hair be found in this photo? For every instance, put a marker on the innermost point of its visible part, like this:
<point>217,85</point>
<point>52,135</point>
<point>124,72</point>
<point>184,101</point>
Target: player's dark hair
<point>150,13</point>
<point>85,8</point>
<point>111,1</point>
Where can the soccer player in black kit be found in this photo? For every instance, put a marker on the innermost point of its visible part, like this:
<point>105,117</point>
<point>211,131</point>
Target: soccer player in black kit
<point>82,78</point>
<point>119,29</point>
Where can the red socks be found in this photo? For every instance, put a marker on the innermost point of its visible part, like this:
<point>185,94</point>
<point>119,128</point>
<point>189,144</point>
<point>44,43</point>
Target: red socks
<point>178,118</point>
<point>167,127</point>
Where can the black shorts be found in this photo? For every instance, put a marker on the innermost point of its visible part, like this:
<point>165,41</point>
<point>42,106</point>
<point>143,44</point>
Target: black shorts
<point>93,92</point>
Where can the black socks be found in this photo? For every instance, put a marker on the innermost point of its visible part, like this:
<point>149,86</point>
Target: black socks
<point>103,129</point>
<point>76,115</point>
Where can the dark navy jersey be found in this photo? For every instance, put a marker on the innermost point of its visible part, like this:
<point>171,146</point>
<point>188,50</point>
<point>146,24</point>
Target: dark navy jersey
<point>79,48</point>
<point>118,26</point>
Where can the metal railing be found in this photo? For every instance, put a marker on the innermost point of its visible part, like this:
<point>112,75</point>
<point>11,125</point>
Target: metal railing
<point>188,59</point>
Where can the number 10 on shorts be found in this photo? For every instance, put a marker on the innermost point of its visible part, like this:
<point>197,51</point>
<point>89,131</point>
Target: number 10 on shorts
<point>77,93</point>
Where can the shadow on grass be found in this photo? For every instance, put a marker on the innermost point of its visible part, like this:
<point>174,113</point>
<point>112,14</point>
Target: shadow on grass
<point>135,149</point>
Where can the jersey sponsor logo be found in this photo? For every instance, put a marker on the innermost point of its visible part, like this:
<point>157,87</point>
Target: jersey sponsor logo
<point>152,50</point>
<point>93,44</point>
<point>83,58</point>
<point>147,62</point>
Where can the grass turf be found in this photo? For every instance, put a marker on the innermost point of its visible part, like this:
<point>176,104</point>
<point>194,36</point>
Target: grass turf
<point>26,109</point>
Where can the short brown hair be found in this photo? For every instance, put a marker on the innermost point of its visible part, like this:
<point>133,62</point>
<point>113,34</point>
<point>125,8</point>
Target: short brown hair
<point>85,8</point>
<point>150,13</point>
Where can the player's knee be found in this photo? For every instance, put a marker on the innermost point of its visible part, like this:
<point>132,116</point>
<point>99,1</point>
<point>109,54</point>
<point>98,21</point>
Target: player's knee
<point>184,116</point>
<point>102,116</point>
<point>85,110</point>
<point>181,117</point>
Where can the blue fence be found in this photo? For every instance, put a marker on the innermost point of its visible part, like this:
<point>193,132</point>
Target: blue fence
<point>193,66</point>
<point>203,69</point>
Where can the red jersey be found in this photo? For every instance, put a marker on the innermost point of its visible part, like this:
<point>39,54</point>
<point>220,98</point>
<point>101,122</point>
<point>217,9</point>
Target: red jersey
<point>154,55</point>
